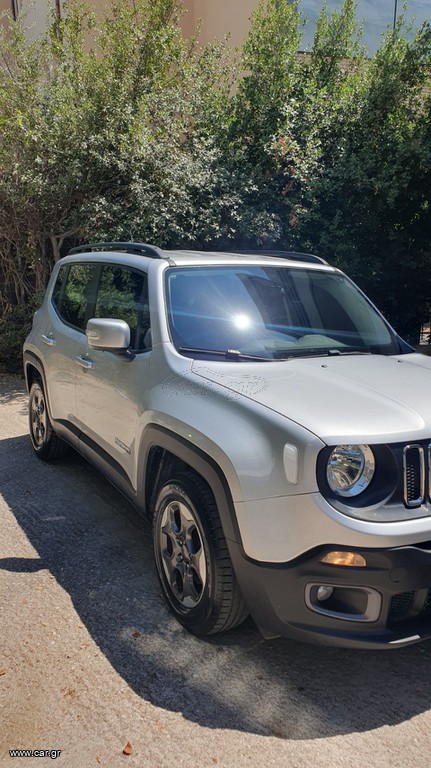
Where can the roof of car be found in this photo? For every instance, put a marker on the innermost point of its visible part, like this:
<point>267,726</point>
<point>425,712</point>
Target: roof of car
<point>195,258</point>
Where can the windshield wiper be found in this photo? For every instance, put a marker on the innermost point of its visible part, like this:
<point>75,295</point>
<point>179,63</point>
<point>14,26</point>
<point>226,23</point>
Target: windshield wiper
<point>349,351</point>
<point>279,355</point>
<point>228,354</point>
<point>320,352</point>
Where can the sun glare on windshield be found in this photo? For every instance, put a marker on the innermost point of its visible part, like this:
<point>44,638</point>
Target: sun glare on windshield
<point>241,321</point>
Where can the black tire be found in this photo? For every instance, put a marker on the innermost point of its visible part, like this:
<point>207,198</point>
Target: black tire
<point>192,559</point>
<point>46,444</point>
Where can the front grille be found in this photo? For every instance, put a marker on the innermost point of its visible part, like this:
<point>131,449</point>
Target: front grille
<point>401,605</point>
<point>408,605</point>
<point>416,470</point>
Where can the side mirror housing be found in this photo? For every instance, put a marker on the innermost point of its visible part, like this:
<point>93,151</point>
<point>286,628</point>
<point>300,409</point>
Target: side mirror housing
<point>108,334</point>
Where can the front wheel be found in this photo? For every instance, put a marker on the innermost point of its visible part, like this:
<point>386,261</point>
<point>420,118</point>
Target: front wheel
<point>46,444</point>
<point>192,559</point>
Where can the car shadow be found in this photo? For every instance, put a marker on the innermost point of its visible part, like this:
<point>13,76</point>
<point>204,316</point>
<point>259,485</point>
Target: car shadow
<point>99,550</point>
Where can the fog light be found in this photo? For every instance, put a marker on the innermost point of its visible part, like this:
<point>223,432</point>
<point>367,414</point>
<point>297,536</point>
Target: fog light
<point>324,593</point>
<point>353,559</point>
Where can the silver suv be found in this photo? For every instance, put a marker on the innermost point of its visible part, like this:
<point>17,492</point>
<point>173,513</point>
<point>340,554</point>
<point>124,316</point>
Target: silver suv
<point>268,421</point>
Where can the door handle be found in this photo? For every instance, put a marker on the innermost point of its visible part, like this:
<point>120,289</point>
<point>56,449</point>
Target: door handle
<point>48,340</point>
<point>84,362</point>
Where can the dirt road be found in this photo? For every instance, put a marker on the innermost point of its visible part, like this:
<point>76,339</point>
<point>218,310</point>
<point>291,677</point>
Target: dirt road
<point>90,659</point>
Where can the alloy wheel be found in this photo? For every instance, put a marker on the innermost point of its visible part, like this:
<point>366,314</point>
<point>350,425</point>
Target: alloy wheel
<point>183,554</point>
<point>38,418</point>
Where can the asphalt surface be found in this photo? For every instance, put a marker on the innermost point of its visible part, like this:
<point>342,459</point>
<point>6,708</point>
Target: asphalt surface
<point>91,660</point>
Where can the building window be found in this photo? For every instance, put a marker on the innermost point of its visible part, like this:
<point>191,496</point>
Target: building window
<point>378,16</point>
<point>35,9</point>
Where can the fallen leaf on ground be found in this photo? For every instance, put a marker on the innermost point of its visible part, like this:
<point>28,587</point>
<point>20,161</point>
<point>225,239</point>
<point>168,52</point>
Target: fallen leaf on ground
<point>128,749</point>
<point>3,671</point>
<point>69,693</point>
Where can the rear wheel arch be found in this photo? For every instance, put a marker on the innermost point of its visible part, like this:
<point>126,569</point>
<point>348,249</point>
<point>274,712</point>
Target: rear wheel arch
<point>46,444</point>
<point>34,371</point>
<point>55,448</point>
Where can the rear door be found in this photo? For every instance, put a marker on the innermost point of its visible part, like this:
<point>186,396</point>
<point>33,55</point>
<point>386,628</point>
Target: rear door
<point>63,339</point>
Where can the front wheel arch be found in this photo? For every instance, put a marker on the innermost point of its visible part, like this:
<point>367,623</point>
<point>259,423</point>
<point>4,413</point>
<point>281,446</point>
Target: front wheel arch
<point>165,453</point>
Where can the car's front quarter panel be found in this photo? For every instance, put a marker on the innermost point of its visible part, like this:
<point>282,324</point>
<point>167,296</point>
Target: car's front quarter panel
<point>245,439</point>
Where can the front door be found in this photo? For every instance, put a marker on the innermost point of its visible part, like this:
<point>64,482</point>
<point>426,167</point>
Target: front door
<point>109,387</point>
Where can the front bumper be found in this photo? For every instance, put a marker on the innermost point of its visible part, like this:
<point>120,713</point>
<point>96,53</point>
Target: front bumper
<point>386,604</point>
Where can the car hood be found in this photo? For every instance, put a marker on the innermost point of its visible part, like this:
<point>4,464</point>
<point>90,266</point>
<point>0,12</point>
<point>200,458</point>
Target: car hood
<point>361,398</point>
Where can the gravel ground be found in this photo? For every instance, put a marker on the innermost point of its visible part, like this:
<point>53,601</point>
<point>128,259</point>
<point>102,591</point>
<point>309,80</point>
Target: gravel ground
<point>90,659</point>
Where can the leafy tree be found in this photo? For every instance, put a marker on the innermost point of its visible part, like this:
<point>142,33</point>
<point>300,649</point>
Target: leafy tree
<point>371,193</point>
<point>106,132</point>
<point>261,157</point>
<point>108,140</point>
<point>335,150</point>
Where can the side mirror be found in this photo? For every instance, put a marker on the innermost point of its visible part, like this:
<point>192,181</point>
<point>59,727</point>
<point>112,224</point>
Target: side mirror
<point>107,334</point>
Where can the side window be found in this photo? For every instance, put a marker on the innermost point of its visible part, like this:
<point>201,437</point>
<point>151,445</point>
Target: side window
<point>76,296</point>
<point>59,283</point>
<point>123,295</point>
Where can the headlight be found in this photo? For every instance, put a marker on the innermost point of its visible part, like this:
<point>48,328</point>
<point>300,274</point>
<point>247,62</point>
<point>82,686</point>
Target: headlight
<point>350,469</point>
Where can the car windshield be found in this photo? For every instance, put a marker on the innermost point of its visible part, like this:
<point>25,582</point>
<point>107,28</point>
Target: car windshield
<point>271,313</point>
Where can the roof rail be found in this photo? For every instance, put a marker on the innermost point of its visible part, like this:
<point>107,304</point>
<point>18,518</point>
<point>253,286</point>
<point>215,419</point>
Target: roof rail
<point>294,255</point>
<point>142,248</point>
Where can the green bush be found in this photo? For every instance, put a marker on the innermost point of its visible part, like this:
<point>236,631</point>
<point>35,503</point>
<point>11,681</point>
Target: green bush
<point>15,324</point>
<point>107,141</point>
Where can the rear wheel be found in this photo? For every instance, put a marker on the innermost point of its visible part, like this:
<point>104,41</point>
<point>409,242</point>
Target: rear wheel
<point>192,559</point>
<point>46,444</point>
